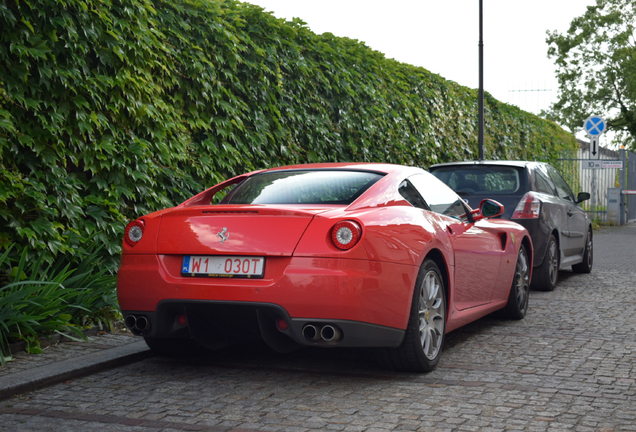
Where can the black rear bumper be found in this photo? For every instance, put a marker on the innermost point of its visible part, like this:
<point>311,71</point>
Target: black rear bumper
<point>216,324</point>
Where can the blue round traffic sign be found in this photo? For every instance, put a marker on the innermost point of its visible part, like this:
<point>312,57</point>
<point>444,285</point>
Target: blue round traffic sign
<point>594,125</point>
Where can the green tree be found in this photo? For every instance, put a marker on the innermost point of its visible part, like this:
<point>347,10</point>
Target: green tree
<point>596,68</point>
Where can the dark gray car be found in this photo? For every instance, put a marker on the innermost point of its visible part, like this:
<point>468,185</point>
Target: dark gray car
<point>536,196</point>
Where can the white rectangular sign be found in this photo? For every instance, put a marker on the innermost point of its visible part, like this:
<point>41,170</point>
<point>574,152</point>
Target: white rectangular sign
<point>591,164</point>
<point>595,149</point>
<point>612,164</point>
<point>600,164</point>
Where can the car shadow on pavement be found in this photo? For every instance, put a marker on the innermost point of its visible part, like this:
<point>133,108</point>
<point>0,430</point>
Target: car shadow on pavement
<point>328,361</point>
<point>257,355</point>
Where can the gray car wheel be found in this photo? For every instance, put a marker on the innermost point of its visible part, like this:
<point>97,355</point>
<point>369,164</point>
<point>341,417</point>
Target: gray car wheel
<point>588,256</point>
<point>546,275</point>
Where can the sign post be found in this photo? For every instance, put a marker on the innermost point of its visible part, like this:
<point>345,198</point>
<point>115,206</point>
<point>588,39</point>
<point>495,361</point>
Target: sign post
<point>594,126</point>
<point>480,92</point>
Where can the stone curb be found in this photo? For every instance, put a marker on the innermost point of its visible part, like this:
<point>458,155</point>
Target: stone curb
<point>46,341</point>
<point>33,379</point>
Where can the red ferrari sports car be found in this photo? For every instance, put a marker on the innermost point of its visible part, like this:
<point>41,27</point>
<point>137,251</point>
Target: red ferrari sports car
<point>326,255</point>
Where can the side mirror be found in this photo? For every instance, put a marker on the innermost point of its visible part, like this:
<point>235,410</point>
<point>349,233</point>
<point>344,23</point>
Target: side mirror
<point>583,196</point>
<point>489,208</point>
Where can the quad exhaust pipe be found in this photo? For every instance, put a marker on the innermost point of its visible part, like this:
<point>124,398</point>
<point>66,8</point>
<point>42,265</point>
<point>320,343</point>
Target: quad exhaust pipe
<point>143,323</point>
<point>137,323</point>
<point>311,333</point>
<point>327,333</point>
<point>330,333</point>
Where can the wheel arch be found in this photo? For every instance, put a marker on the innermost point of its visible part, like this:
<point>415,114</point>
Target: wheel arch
<point>438,258</point>
<point>539,253</point>
<point>557,237</point>
<point>528,245</point>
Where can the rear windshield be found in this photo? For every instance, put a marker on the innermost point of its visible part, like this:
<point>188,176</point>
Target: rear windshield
<point>481,180</point>
<point>302,187</point>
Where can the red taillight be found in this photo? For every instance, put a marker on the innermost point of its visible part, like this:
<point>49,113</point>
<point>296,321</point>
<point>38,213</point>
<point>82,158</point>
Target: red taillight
<point>345,234</point>
<point>182,320</point>
<point>134,232</point>
<point>282,324</point>
<point>528,208</point>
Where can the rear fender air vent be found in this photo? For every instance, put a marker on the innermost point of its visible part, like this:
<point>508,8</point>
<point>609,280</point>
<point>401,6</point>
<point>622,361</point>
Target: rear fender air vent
<point>504,238</point>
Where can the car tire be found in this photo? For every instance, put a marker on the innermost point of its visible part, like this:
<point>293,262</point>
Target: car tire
<point>520,289</point>
<point>423,340</point>
<point>546,275</point>
<point>167,347</point>
<point>588,256</point>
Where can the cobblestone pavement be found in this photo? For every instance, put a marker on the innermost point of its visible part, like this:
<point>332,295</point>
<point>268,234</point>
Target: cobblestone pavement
<point>569,366</point>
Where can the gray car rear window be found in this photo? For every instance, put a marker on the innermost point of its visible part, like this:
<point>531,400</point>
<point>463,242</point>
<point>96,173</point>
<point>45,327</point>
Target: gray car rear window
<point>489,180</point>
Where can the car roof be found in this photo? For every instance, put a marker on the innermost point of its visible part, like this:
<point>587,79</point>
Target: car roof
<point>368,166</point>
<point>520,164</point>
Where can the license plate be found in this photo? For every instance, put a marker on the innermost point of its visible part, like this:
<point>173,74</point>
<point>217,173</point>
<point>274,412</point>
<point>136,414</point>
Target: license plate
<point>223,266</point>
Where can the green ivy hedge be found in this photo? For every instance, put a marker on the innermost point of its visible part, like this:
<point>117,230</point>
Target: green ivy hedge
<point>111,109</point>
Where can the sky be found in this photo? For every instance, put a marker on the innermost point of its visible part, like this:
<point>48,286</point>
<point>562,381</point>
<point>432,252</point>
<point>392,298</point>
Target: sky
<point>443,37</point>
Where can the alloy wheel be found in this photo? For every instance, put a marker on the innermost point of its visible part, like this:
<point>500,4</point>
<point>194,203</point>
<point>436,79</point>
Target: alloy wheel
<point>431,314</point>
<point>590,250</point>
<point>553,256</point>
<point>522,280</point>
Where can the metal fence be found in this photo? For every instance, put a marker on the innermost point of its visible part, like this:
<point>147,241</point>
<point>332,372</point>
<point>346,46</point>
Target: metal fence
<point>594,181</point>
<point>629,183</point>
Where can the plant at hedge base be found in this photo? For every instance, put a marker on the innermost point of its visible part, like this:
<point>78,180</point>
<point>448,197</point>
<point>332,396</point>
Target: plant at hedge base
<point>39,299</point>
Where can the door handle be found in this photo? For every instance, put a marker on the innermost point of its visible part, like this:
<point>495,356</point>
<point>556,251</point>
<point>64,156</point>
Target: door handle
<point>450,230</point>
<point>570,213</point>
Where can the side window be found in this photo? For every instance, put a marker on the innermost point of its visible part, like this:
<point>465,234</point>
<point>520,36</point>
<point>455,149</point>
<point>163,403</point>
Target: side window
<point>542,182</point>
<point>563,190</point>
<point>411,194</point>
<point>439,197</point>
